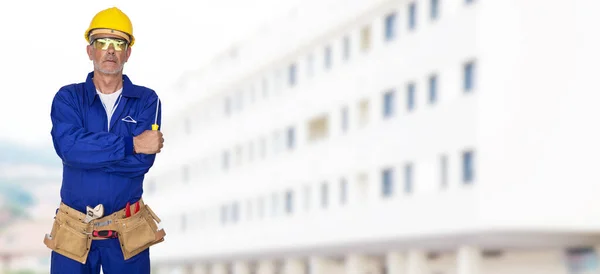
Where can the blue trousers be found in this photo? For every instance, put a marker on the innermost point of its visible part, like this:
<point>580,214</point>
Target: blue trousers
<point>106,253</point>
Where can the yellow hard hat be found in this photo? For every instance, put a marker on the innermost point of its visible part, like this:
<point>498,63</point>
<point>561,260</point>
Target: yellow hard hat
<point>112,21</point>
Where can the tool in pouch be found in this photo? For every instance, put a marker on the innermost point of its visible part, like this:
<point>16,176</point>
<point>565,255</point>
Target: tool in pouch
<point>113,233</point>
<point>128,209</point>
<point>94,213</point>
<point>90,215</point>
<point>136,210</point>
<point>108,234</point>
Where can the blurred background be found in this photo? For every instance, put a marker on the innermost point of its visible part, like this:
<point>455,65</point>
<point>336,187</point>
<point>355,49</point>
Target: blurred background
<point>331,136</point>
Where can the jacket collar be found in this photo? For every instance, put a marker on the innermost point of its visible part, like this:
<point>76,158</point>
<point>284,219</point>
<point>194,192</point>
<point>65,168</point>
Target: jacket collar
<point>128,88</point>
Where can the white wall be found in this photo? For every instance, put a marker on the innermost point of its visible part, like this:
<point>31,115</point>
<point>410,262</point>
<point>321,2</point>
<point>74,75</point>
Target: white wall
<point>536,115</point>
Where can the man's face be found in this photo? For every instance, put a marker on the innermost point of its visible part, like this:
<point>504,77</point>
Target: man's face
<point>109,53</point>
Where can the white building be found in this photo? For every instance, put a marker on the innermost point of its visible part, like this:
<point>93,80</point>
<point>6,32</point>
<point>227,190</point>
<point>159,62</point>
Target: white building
<point>414,137</point>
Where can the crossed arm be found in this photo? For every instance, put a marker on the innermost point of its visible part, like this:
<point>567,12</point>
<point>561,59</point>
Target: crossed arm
<point>129,156</point>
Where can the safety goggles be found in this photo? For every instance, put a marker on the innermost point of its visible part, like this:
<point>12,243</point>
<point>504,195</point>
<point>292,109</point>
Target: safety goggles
<point>104,43</point>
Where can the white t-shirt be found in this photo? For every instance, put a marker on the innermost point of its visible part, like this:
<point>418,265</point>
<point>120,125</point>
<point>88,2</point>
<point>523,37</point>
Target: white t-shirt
<point>110,102</point>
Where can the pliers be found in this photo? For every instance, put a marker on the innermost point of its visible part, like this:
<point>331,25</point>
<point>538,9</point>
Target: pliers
<point>128,210</point>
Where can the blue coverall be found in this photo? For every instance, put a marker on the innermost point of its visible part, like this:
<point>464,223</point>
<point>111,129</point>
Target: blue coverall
<point>99,165</point>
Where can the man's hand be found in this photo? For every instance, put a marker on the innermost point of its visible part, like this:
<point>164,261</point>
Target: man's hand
<point>149,142</point>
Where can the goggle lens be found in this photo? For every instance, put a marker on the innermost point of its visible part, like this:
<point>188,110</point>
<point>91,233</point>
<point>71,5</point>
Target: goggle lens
<point>104,43</point>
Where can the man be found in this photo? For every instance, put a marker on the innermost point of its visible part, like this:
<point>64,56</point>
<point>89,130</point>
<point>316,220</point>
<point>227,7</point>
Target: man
<point>102,131</point>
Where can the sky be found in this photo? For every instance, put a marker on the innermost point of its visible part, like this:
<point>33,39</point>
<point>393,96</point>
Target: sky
<point>43,49</point>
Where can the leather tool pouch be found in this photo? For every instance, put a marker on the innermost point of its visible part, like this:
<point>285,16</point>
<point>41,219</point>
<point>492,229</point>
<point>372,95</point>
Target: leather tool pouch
<point>139,232</point>
<point>72,238</point>
<point>69,238</point>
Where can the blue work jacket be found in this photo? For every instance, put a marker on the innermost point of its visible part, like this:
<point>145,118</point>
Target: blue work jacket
<point>99,165</point>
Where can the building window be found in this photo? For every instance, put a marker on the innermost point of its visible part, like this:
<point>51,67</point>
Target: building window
<point>346,47</point>
<point>318,128</point>
<point>580,259</point>
<point>205,165</point>
<point>235,212</point>
<point>225,160</point>
<point>388,104</point>
<point>435,9</point>
<point>251,95</point>
<point>265,87</point>
<point>239,100</point>
<point>278,83</point>
<point>343,191</point>
<point>201,219</point>
<point>292,75</point>
<point>150,186</point>
<point>362,186</point>
<point>224,214</point>
<point>412,16</point>
<point>365,38</point>
<point>187,126</point>
<point>274,204</point>
<point>185,174</point>
<point>290,138</point>
<point>390,26</point>
<point>433,88</point>
<point>444,171</point>
<point>324,195</point>
<point>408,178</point>
<point>289,200</point>
<point>363,108</point>
<point>306,198</point>
<point>345,119</point>
<point>469,76</point>
<point>277,142</point>
<point>227,106</point>
<point>248,210</point>
<point>310,61</point>
<point>261,207</point>
<point>238,155</point>
<point>250,151</point>
<point>468,171</point>
<point>252,92</point>
<point>327,55</point>
<point>183,222</point>
<point>410,97</point>
<point>263,147</point>
<point>387,182</point>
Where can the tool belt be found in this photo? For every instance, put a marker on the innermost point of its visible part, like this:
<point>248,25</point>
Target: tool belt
<point>72,237</point>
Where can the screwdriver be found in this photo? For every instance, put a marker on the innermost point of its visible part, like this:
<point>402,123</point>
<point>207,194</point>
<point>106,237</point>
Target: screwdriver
<point>155,125</point>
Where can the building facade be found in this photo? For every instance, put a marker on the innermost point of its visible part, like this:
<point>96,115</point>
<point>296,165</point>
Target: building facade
<point>388,136</point>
